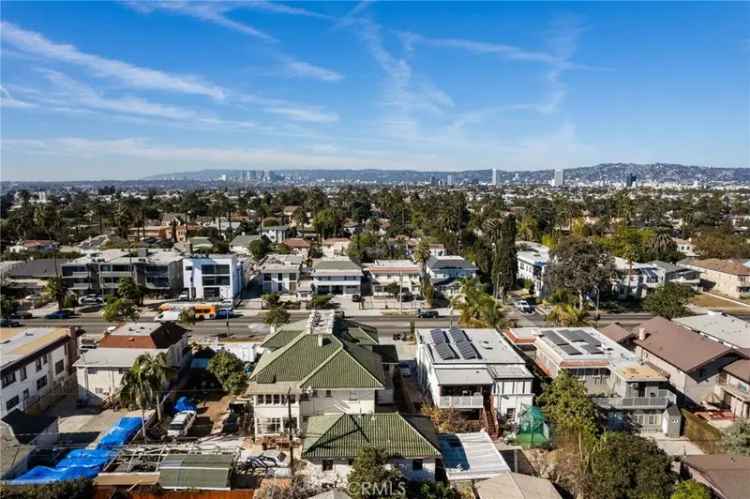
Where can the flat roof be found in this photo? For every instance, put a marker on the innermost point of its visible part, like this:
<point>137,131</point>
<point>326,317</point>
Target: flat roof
<point>486,346</point>
<point>471,456</point>
<point>581,345</point>
<point>336,264</point>
<point>639,372</point>
<point>447,377</point>
<point>17,343</point>
<point>723,327</point>
<point>113,357</point>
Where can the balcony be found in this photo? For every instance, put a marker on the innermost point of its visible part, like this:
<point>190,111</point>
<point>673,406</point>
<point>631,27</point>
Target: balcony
<point>660,401</point>
<point>735,391</point>
<point>461,402</point>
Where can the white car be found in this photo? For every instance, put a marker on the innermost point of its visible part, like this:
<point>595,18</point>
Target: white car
<point>90,300</point>
<point>523,306</point>
<point>181,424</point>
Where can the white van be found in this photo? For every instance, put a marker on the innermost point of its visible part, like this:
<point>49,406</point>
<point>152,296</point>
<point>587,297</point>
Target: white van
<point>181,424</point>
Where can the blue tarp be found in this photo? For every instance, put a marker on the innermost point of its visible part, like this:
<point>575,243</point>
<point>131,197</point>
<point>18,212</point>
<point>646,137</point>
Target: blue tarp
<point>184,404</point>
<point>84,463</point>
<point>119,434</point>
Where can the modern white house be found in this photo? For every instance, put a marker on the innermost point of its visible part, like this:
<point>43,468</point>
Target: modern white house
<point>213,277</point>
<point>99,371</point>
<point>280,273</point>
<point>473,371</point>
<point>404,273</point>
<point>275,233</point>
<point>532,259</point>
<point>36,365</point>
<point>337,276</point>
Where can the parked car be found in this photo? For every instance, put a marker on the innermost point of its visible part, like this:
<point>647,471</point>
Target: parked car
<point>183,297</point>
<point>427,314</point>
<point>9,323</point>
<point>181,424</point>
<point>60,314</point>
<point>523,306</point>
<point>90,300</point>
<point>21,315</point>
<point>275,458</point>
<point>356,298</point>
<point>224,313</point>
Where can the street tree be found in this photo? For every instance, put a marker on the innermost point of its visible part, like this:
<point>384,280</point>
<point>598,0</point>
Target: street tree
<point>228,370</point>
<point>120,309</point>
<point>187,316</point>
<point>567,315</point>
<point>275,317</point>
<point>505,264</point>
<point>55,290</point>
<point>580,266</point>
<point>668,301</point>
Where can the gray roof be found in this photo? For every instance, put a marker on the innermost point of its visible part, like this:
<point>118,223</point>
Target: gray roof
<point>42,268</point>
<point>196,471</point>
<point>723,327</point>
<point>113,357</point>
<point>666,266</point>
<point>336,264</point>
<point>244,240</point>
<point>449,262</point>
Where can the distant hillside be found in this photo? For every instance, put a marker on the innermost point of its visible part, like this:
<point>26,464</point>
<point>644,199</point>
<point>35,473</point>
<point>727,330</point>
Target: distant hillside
<point>607,172</point>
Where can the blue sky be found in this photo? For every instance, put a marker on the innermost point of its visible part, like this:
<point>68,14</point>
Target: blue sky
<point>123,90</point>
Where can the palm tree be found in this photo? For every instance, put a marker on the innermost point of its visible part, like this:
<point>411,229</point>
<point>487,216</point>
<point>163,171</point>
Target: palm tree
<point>143,382</point>
<point>56,290</point>
<point>476,307</point>
<point>567,315</point>
<point>528,227</point>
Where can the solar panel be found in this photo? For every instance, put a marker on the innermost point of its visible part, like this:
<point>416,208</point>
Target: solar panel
<point>576,335</point>
<point>438,336</point>
<point>457,335</point>
<point>445,351</point>
<point>592,349</point>
<point>467,350</point>
<point>569,349</point>
<point>555,338</point>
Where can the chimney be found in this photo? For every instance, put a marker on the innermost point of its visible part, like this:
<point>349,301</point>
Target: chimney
<point>322,340</point>
<point>642,334</point>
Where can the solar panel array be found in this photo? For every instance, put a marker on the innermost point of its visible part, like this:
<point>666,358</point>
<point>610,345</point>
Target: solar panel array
<point>457,335</point>
<point>555,338</point>
<point>592,349</point>
<point>438,336</point>
<point>574,341</point>
<point>445,351</point>
<point>569,349</point>
<point>467,350</point>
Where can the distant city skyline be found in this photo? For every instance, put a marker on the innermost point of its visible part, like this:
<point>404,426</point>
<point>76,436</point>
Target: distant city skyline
<point>131,89</point>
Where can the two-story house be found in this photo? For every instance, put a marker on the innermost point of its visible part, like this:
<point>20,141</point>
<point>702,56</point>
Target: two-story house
<point>404,273</point>
<point>446,271</point>
<point>100,370</point>
<point>729,277</point>
<point>336,276</point>
<point>213,277</point>
<point>280,273</point>
<point>532,259</point>
<point>473,371</point>
<point>315,368</point>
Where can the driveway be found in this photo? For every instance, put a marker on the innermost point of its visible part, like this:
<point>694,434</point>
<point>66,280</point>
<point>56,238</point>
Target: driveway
<point>681,446</point>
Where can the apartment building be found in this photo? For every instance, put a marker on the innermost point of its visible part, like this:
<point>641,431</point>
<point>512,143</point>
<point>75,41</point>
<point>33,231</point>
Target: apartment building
<point>101,272</point>
<point>99,371</point>
<point>36,366</point>
<point>717,326</point>
<point>404,273</point>
<point>280,273</point>
<point>692,363</point>
<point>336,276</point>
<point>312,369</point>
<point>213,277</point>
<point>473,370</point>
<point>729,277</point>
<point>532,259</point>
<point>631,393</point>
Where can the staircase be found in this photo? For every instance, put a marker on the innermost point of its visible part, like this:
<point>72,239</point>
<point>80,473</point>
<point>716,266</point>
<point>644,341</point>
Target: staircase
<point>489,420</point>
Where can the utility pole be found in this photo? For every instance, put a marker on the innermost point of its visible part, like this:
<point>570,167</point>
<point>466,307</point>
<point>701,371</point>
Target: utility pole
<point>289,429</point>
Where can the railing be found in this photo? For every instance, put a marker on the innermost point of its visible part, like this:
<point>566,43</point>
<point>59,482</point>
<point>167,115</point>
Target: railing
<point>634,402</point>
<point>461,402</point>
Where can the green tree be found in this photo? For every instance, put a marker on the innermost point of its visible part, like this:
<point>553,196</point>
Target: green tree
<point>275,317</point>
<point>55,290</point>
<point>143,383</point>
<point>229,370</point>
<point>187,316</point>
<point>505,266</point>
<point>567,315</point>
<point>690,489</point>
<point>428,290</point>
<point>580,266</point>
<point>736,440</point>
<point>271,300</point>
<point>627,466</point>
<point>370,468</point>
<point>393,289</point>
<point>326,223</point>
<point>259,248</point>
<point>476,307</point>
<point>120,309</point>
<point>566,404</point>
<point>7,305</point>
<point>130,290</point>
<point>668,301</point>
<point>319,302</point>
<point>422,253</point>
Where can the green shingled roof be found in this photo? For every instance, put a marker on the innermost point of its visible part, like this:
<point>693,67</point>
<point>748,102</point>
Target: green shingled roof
<point>341,436</point>
<point>363,336</point>
<point>280,339</point>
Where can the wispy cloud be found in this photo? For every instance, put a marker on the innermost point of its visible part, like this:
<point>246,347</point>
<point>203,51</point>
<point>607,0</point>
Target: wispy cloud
<point>280,8</point>
<point>129,74</point>
<point>306,115</point>
<point>7,100</point>
<point>213,12</point>
<point>301,69</point>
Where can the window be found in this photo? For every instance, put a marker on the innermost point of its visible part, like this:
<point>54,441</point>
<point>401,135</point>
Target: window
<point>26,394</point>
<point>92,370</point>
<point>59,366</point>
<point>38,364</point>
<point>652,419</point>
<point>22,373</point>
<point>45,359</point>
<point>416,464</point>
<point>328,394</point>
<point>9,378</point>
<point>11,403</point>
<point>41,382</point>
<point>353,395</point>
<point>327,465</point>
